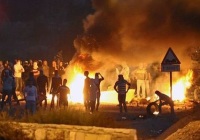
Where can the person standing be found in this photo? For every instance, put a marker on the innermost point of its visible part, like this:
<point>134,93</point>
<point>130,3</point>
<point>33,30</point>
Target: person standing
<point>98,78</point>
<point>61,69</point>
<point>26,72</point>
<point>63,91</point>
<point>56,82</point>
<point>86,90</point>
<point>30,94</point>
<point>35,70</point>
<point>93,94</point>
<point>14,95</point>
<point>1,70</point>
<point>8,84</point>
<point>141,74</point>
<point>18,70</point>
<point>147,81</point>
<point>121,87</point>
<point>52,70</point>
<point>42,84</point>
<point>45,69</point>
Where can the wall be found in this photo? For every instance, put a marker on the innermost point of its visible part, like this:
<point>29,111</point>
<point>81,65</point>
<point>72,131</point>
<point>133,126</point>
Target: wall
<point>72,132</point>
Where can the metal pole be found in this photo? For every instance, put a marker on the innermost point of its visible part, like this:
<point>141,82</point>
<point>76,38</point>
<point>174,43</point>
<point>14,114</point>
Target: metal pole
<point>171,84</point>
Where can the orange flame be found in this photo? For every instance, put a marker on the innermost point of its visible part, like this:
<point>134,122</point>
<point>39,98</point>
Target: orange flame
<point>76,83</point>
<point>76,90</point>
<point>180,87</point>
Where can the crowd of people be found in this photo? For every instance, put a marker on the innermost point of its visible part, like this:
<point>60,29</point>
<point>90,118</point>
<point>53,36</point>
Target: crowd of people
<point>32,80</point>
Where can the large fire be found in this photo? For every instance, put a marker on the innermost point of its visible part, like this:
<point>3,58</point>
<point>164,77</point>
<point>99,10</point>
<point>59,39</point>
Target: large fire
<point>76,88</point>
<point>179,89</point>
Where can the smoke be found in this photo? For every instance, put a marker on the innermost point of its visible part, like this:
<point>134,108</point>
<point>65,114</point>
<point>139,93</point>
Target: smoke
<point>129,32</point>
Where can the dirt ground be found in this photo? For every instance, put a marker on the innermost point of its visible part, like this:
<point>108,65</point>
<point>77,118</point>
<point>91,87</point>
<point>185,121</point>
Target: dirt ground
<point>157,127</point>
<point>186,128</point>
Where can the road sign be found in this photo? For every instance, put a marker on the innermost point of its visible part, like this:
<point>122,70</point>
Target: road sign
<point>170,63</point>
<point>168,68</point>
<point>170,58</point>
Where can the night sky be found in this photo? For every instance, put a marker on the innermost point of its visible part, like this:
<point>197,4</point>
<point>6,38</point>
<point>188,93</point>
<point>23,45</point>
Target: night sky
<point>102,33</point>
<point>38,29</point>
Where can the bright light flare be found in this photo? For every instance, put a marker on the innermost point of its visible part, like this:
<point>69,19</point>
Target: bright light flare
<point>156,113</point>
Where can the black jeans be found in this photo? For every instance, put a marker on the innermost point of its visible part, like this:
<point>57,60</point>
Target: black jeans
<point>122,102</point>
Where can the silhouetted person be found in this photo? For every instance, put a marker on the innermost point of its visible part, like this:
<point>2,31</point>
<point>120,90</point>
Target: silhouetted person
<point>121,87</point>
<point>61,69</point>
<point>98,78</point>
<point>31,78</point>
<point>25,74</point>
<point>56,82</point>
<point>63,91</point>
<point>164,100</point>
<point>86,91</point>
<point>93,94</point>
<point>42,84</point>
<point>30,94</point>
<point>8,83</point>
<point>52,68</point>
<point>14,95</point>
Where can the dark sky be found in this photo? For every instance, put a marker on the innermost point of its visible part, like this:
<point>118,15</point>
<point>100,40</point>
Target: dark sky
<point>38,29</point>
<point>109,31</point>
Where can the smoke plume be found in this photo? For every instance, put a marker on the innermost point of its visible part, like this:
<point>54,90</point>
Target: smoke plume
<point>129,32</point>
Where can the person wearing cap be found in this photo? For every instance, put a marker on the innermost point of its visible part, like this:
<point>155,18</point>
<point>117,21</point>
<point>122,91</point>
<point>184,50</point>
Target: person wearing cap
<point>121,87</point>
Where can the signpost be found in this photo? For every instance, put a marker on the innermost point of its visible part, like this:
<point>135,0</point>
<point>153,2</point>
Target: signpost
<point>170,63</point>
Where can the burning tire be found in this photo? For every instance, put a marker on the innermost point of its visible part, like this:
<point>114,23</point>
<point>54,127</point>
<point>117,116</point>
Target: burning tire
<point>152,108</point>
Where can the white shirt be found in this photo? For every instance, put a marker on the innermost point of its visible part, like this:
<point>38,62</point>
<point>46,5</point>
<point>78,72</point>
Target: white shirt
<point>18,69</point>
